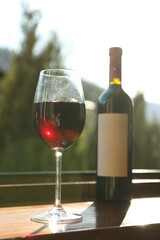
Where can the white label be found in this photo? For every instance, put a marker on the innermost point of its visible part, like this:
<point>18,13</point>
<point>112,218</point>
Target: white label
<point>112,145</point>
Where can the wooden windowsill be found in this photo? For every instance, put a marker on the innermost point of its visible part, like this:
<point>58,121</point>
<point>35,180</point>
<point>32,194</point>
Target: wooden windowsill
<point>138,220</point>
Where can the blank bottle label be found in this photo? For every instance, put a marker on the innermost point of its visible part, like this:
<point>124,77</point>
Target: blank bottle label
<point>112,145</point>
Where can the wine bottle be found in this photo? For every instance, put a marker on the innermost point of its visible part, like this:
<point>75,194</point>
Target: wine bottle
<point>115,113</point>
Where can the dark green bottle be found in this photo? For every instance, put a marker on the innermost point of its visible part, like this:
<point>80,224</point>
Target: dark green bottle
<point>115,118</point>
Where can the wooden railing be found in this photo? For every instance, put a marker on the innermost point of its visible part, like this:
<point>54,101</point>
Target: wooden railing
<point>27,188</point>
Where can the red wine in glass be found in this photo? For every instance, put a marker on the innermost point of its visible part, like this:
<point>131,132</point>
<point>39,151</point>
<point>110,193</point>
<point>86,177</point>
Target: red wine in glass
<point>59,124</point>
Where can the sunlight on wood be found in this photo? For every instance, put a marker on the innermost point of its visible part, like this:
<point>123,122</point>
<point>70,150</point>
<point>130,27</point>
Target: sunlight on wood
<point>142,211</point>
<point>54,228</point>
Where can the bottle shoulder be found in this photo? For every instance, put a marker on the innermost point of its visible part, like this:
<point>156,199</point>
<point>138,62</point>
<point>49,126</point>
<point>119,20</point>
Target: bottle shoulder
<point>113,91</point>
<point>114,99</point>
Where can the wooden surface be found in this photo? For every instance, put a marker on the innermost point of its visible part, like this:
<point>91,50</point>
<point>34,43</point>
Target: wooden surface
<point>138,220</point>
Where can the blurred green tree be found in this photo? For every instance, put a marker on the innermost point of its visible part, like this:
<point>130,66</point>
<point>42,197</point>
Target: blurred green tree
<point>139,131</point>
<point>17,137</point>
<point>20,84</point>
<point>146,137</point>
<point>20,148</point>
<point>152,153</point>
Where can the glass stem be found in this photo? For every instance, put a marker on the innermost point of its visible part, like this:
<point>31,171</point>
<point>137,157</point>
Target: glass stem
<point>58,179</point>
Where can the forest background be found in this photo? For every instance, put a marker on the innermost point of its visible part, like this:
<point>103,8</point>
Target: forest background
<point>20,148</point>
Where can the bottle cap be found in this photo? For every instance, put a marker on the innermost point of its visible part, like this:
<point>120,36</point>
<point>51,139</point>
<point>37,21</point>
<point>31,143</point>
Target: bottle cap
<point>115,50</point>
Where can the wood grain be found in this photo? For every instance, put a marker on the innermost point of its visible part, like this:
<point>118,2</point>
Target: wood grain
<point>137,220</point>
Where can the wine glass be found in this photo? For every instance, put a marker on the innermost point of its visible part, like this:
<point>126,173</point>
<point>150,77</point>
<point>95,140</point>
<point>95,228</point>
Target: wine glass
<point>58,117</point>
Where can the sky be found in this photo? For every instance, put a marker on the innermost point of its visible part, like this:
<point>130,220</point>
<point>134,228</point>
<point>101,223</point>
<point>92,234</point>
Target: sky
<point>88,28</point>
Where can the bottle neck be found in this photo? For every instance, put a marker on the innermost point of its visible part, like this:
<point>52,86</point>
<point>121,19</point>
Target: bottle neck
<point>115,66</point>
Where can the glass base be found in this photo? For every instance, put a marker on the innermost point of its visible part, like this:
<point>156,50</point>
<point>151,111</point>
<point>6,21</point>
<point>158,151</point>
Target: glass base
<point>57,215</point>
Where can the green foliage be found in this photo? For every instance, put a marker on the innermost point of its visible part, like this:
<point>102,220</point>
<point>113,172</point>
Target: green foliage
<point>139,131</point>
<point>146,137</point>
<point>26,155</point>
<point>20,148</point>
